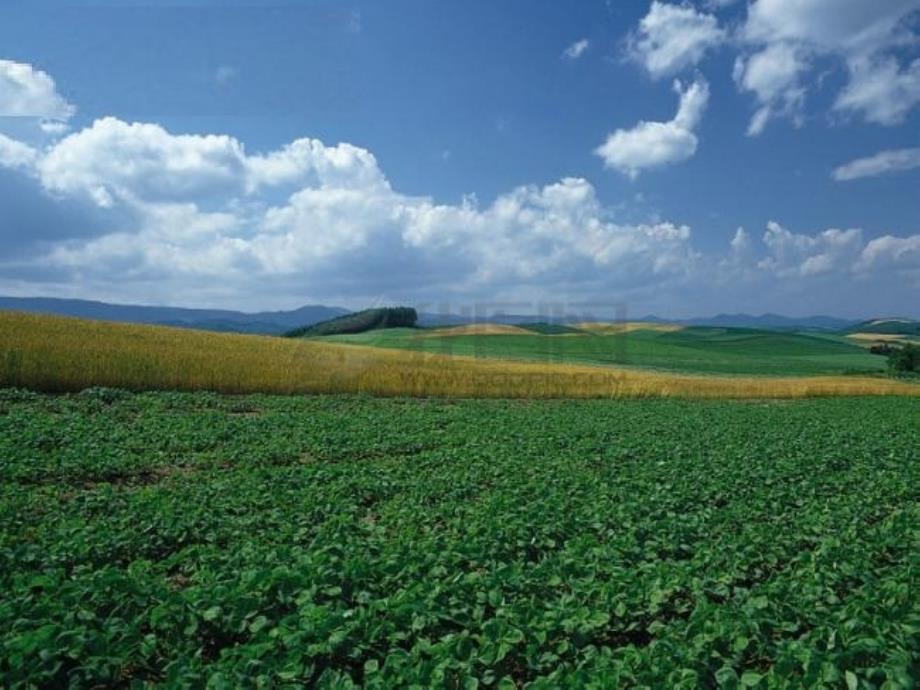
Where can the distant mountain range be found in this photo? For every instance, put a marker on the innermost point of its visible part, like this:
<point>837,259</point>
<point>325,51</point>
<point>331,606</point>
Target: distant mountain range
<point>277,322</point>
<point>266,322</point>
<point>775,322</point>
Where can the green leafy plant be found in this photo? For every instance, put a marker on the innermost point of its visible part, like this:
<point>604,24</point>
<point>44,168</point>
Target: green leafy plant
<point>199,540</point>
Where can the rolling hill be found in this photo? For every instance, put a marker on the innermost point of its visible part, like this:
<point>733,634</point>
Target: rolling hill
<point>773,322</point>
<point>696,349</point>
<point>892,326</point>
<point>280,322</point>
<point>56,354</point>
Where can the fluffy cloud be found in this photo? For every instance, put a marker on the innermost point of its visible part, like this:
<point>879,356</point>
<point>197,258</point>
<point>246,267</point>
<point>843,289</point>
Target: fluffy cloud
<point>15,154</point>
<point>830,271</point>
<point>791,254</point>
<point>881,89</point>
<point>576,50</point>
<point>654,144</point>
<point>310,162</point>
<point>741,241</point>
<point>113,160</point>
<point>845,25</point>
<point>773,75</point>
<point>28,92</point>
<point>889,252</point>
<point>558,230</point>
<point>165,239</point>
<point>780,41</point>
<point>843,255</point>
<point>671,38</point>
<point>312,217</point>
<point>786,36</point>
<point>133,212</point>
<point>197,207</point>
<point>881,163</point>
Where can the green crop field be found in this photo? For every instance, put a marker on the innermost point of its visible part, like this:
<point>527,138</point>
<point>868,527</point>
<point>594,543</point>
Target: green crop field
<point>734,351</point>
<point>194,539</point>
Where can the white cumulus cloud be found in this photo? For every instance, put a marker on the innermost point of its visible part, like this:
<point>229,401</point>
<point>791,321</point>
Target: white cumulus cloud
<point>773,75</point>
<point>655,144</point>
<point>15,154</point>
<point>792,254</point>
<point>783,39</point>
<point>881,89</point>
<point>113,159</point>
<point>838,252</point>
<point>889,252</point>
<point>136,212</point>
<point>309,161</point>
<point>192,207</point>
<point>29,92</point>
<point>673,37</point>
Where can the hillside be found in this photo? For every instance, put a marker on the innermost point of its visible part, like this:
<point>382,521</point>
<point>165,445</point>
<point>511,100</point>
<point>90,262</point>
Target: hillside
<point>762,321</point>
<point>360,322</point>
<point>699,350</point>
<point>888,327</point>
<point>773,322</point>
<point>56,354</point>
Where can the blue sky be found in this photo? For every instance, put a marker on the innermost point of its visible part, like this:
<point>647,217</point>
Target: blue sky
<point>473,165</point>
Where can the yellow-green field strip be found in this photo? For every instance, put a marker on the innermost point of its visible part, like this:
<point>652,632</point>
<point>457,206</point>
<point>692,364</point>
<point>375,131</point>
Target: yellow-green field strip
<point>52,353</point>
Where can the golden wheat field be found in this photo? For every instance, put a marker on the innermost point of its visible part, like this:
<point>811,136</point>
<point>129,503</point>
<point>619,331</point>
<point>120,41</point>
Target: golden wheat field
<point>53,353</point>
<point>477,329</point>
<point>613,327</point>
<point>867,339</point>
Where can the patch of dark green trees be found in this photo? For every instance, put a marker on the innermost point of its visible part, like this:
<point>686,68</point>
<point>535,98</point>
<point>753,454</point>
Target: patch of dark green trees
<point>361,321</point>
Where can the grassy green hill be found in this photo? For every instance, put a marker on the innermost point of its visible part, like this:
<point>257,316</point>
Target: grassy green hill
<point>545,328</point>
<point>739,351</point>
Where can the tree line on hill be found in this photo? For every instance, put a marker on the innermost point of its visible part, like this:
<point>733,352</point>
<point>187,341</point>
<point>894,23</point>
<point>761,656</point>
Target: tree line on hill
<point>361,321</point>
<point>904,360</point>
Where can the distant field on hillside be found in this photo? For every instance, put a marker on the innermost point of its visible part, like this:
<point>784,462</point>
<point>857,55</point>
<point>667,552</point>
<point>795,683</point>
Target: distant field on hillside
<point>187,540</point>
<point>907,327</point>
<point>869,339</point>
<point>62,354</point>
<point>735,351</point>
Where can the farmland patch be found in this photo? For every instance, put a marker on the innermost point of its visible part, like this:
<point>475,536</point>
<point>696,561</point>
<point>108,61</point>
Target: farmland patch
<point>341,540</point>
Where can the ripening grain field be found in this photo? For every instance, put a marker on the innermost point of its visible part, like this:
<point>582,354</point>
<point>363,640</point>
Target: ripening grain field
<point>192,539</point>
